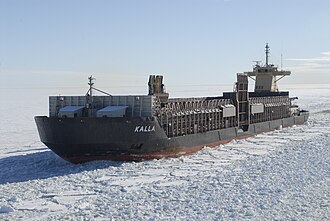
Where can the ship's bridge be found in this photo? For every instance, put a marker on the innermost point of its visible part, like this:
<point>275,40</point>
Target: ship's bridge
<point>267,76</point>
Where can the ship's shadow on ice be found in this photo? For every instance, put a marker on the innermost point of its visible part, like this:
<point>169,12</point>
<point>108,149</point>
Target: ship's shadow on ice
<point>43,165</point>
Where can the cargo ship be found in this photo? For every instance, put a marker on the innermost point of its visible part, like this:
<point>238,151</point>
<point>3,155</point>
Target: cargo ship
<point>141,127</point>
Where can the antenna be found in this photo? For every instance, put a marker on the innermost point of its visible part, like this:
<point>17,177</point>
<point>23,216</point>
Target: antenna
<point>267,53</point>
<point>281,61</point>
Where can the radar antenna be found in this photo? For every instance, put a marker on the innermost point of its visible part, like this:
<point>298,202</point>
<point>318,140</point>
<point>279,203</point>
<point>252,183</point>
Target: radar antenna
<point>257,63</point>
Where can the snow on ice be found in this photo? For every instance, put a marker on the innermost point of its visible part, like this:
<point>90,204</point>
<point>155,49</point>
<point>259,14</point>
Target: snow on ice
<point>280,175</point>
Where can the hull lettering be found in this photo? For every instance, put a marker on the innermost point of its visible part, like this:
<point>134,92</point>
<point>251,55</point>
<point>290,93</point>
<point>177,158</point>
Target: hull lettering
<point>144,129</point>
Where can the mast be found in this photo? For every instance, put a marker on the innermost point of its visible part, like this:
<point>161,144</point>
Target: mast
<point>89,96</point>
<point>267,54</point>
<point>90,83</point>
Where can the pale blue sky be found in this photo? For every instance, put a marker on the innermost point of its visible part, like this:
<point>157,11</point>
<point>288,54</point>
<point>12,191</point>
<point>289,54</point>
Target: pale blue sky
<point>59,43</point>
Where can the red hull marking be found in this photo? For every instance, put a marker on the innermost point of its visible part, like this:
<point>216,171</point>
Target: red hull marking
<point>172,153</point>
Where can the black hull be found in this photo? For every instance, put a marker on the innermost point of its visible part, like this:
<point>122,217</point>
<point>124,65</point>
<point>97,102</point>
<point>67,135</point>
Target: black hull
<point>79,140</point>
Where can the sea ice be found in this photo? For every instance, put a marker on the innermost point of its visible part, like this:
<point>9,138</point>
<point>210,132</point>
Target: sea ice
<point>6,209</point>
<point>281,175</point>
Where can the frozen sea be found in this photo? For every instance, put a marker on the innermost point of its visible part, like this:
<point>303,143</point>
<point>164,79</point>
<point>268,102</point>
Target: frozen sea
<point>280,175</point>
